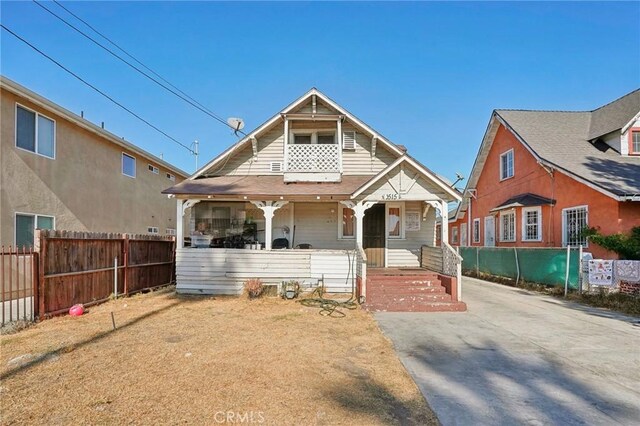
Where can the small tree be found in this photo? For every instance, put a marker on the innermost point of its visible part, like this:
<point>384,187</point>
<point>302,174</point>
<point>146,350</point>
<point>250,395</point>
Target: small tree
<point>626,246</point>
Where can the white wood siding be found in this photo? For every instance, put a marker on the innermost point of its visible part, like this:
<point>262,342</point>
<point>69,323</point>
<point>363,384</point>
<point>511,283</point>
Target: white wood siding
<point>271,148</point>
<point>223,271</point>
<point>400,181</point>
<point>316,224</point>
<point>406,252</point>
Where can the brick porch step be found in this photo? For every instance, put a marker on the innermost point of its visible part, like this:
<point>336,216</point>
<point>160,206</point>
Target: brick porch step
<point>404,289</point>
<point>417,307</point>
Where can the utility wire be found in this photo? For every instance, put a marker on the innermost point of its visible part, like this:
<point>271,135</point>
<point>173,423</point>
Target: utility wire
<point>95,88</point>
<point>177,92</point>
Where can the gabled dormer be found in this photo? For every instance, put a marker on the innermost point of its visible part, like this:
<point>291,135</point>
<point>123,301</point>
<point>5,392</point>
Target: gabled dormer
<point>311,140</point>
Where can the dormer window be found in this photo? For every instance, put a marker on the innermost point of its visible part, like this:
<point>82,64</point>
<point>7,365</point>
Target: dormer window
<point>313,137</point>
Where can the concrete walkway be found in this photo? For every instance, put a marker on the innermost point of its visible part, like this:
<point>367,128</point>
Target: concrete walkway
<point>518,357</point>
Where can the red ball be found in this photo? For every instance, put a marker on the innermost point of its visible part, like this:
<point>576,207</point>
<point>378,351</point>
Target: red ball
<point>76,310</point>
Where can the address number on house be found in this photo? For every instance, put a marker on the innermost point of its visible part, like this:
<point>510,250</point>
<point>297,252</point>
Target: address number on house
<point>389,197</point>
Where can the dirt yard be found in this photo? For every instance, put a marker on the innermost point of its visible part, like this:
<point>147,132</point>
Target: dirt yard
<point>206,360</point>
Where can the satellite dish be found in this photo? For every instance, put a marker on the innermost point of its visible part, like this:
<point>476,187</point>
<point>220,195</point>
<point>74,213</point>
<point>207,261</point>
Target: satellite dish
<point>235,123</point>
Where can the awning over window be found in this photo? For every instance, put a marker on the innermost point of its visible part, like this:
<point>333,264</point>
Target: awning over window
<point>524,200</point>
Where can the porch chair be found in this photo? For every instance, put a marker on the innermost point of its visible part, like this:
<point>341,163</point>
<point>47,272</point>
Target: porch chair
<point>280,243</point>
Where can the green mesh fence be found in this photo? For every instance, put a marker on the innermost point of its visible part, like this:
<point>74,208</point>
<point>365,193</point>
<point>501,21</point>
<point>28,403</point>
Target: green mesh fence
<point>538,265</point>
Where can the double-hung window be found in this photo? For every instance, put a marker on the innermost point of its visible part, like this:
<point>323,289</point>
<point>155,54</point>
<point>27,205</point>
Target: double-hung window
<point>27,223</point>
<point>634,145</point>
<point>395,225</point>
<point>476,230</point>
<point>532,224</point>
<point>506,165</point>
<point>574,222</point>
<point>35,132</point>
<point>454,234</point>
<point>508,226</point>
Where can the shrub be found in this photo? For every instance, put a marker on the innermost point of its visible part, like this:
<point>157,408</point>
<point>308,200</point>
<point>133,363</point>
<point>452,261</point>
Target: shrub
<point>254,287</point>
<point>626,246</point>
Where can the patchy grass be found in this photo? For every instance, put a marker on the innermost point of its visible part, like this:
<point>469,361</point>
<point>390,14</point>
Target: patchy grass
<point>618,302</point>
<point>206,360</point>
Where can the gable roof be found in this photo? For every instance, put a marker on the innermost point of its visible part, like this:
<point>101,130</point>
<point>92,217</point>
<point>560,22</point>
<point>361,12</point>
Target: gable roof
<point>447,188</point>
<point>290,109</point>
<point>42,102</point>
<point>568,141</point>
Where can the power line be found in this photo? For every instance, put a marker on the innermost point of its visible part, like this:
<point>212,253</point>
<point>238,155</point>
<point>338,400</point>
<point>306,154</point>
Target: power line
<point>177,92</point>
<point>95,88</point>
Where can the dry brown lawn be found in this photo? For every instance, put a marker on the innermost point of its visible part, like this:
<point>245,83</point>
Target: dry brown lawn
<point>206,360</point>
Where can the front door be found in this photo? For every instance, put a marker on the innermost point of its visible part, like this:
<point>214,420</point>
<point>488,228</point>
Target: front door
<point>373,238</point>
<point>489,231</point>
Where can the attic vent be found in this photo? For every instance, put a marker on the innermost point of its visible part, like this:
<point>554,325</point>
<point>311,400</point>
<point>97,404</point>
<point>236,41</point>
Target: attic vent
<point>349,141</point>
<point>276,167</point>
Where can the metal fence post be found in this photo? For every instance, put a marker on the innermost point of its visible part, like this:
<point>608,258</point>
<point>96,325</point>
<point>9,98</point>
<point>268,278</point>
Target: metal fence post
<point>566,275</point>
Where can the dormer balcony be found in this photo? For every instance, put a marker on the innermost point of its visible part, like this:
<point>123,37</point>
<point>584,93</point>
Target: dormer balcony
<point>313,148</point>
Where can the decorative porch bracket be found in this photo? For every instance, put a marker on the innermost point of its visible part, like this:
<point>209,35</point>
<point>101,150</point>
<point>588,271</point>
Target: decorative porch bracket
<point>268,209</point>
<point>359,212</point>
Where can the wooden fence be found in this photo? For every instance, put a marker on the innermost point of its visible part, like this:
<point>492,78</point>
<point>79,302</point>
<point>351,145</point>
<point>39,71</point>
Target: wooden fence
<point>82,267</point>
<point>17,279</point>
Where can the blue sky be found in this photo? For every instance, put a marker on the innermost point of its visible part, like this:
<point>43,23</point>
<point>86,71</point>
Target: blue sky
<point>425,75</point>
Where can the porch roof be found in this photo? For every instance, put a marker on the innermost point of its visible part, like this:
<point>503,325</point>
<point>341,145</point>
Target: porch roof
<point>266,186</point>
<point>524,200</point>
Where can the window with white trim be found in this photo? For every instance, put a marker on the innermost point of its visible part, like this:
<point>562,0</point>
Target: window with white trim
<point>574,221</point>
<point>313,137</point>
<point>532,224</point>
<point>454,234</point>
<point>347,222</point>
<point>476,230</point>
<point>153,230</point>
<point>463,234</point>
<point>508,226</point>
<point>27,223</point>
<point>635,142</point>
<point>35,132</point>
<point>170,231</point>
<point>395,225</point>
<point>128,165</point>
<point>171,177</point>
<point>506,165</point>
<point>154,169</point>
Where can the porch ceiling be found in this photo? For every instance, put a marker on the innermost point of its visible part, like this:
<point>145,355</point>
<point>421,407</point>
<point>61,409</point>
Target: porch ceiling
<point>266,186</point>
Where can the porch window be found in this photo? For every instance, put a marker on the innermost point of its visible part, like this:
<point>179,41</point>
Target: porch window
<point>26,224</point>
<point>313,137</point>
<point>508,226</point>
<point>574,221</point>
<point>394,221</point>
<point>348,223</point>
<point>476,230</point>
<point>531,224</point>
<point>302,139</point>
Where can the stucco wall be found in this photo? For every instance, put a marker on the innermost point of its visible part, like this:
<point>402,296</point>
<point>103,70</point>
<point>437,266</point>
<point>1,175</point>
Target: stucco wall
<point>604,212</point>
<point>83,187</point>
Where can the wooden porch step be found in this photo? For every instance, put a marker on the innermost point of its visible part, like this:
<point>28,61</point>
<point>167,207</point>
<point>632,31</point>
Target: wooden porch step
<point>417,307</point>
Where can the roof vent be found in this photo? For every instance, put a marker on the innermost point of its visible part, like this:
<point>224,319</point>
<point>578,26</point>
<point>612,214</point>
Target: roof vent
<point>349,141</point>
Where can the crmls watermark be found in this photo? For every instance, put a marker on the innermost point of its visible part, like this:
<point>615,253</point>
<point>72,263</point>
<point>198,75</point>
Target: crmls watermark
<point>236,417</point>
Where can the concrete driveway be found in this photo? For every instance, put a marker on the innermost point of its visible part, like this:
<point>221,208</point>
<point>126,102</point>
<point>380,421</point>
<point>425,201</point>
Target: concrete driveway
<point>518,357</point>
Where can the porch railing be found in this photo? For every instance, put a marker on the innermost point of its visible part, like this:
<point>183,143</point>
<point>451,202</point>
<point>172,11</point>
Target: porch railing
<point>313,158</point>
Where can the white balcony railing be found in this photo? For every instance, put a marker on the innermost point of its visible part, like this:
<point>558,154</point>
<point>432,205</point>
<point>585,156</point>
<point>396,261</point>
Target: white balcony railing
<point>320,158</point>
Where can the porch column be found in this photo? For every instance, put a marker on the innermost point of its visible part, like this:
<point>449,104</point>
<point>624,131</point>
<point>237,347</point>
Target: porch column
<point>445,221</point>
<point>359,211</point>
<point>268,209</point>
<point>179,227</point>
<point>182,206</point>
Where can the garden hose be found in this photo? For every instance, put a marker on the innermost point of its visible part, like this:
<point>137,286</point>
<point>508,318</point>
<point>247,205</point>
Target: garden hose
<point>328,307</point>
